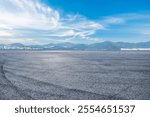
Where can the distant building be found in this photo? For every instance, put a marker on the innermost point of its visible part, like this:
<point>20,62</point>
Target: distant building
<point>135,49</point>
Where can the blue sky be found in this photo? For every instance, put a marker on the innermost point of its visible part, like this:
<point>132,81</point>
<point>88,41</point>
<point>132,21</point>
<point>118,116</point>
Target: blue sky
<point>95,9</point>
<point>76,21</point>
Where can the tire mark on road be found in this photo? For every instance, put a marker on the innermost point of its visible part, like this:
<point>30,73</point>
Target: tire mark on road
<point>56,90</point>
<point>9,83</point>
<point>120,92</point>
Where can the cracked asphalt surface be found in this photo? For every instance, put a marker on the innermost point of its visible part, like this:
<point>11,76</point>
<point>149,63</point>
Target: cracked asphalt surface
<point>64,75</point>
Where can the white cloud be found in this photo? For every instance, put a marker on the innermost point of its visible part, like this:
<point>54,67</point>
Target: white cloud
<point>114,20</point>
<point>143,31</point>
<point>32,22</point>
<point>12,40</point>
<point>31,18</point>
<point>5,33</point>
<point>27,14</point>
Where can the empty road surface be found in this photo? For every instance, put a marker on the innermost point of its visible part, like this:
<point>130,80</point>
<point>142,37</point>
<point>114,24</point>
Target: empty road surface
<point>46,75</point>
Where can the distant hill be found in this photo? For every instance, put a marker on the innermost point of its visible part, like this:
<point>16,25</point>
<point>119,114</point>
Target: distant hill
<point>17,45</point>
<point>107,45</point>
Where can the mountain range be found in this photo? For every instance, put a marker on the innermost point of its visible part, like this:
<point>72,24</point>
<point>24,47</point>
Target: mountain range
<point>107,45</point>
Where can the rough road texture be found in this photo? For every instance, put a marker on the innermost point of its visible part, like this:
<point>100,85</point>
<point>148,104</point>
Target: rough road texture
<point>74,75</point>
